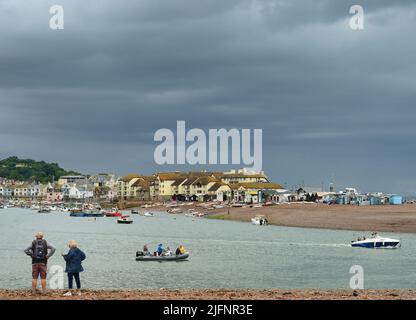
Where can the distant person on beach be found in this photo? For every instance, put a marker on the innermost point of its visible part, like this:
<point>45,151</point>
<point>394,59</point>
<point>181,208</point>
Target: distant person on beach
<point>40,251</point>
<point>73,259</point>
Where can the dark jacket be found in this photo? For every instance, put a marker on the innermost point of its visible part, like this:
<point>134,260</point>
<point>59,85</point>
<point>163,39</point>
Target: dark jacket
<point>73,259</point>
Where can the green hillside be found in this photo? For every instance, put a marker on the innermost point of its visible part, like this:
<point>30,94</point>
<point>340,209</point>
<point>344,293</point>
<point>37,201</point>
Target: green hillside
<point>27,169</point>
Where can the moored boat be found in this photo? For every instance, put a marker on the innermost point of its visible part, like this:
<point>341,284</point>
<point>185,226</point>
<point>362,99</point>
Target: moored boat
<point>147,214</point>
<point>174,211</point>
<point>124,221</point>
<point>113,214</point>
<point>85,213</point>
<point>259,220</point>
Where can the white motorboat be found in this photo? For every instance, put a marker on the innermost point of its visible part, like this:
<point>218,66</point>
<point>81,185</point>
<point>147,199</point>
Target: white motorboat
<point>259,220</point>
<point>174,211</point>
<point>147,214</point>
<point>376,241</point>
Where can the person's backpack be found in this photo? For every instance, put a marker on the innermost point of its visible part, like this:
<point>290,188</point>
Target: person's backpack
<point>39,249</point>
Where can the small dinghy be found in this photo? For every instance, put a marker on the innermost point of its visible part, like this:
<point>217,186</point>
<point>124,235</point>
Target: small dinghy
<point>174,211</point>
<point>174,257</point>
<point>147,214</point>
<point>124,221</point>
<point>375,241</point>
<point>134,212</point>
<point>113,214</point>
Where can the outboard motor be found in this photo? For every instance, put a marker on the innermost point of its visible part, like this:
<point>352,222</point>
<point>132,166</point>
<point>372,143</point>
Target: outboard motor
<point>139,254</point>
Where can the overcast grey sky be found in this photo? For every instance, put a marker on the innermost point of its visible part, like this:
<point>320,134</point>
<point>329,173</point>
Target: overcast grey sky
<point>333,103</point>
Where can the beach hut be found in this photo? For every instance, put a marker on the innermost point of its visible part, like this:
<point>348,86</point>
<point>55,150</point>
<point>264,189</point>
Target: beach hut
<point>375,200</point>
<point>395,199</point>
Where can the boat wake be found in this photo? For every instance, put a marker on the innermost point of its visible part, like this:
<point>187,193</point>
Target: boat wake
<point>260,242</point>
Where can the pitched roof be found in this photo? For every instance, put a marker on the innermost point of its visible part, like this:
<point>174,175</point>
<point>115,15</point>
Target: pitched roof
<point>178,181</point>
<point>216,186</point>
<point>23,186</point>
<point>163,176</point>
<point>143,183</point>
<point>256,185</point>
<point>130,176</point>
<point>190,181</point>
<point>149,178</point>
<point>242,175</point>
<point>205,180</point>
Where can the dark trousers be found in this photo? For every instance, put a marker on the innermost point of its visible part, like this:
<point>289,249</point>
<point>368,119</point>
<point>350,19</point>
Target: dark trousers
<point>71,277</point>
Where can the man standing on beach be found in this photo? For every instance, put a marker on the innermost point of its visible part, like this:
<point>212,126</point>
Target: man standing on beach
<point>39,253</point>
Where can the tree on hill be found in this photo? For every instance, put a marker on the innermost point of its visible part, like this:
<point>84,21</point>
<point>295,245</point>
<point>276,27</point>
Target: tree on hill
<point>31,170</point>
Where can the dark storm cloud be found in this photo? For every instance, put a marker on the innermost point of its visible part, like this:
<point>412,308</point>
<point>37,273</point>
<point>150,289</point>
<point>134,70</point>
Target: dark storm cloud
<point>333,103</point>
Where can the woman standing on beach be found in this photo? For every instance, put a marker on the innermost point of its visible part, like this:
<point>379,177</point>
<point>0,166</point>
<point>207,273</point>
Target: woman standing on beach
<point>73,259</point>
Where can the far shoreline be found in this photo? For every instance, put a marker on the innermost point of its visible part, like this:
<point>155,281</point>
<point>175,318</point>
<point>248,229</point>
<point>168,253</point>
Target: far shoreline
<point>376,218</point>
<point>381,218</point>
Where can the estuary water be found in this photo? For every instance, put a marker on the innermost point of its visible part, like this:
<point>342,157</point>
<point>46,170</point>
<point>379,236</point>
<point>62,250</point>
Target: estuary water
<point>223,254</point>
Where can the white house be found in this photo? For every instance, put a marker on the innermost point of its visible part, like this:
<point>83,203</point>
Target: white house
<point>80,192</point>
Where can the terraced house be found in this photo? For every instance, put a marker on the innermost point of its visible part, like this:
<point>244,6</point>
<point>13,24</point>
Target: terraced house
<point>20,190</point>
<point>6,191</point>
<point>256,192</point>
<point>236,185</point>
<point>195,188</point>
<point>134,187</point>
<point>163,185</point>
<point>243,176</point>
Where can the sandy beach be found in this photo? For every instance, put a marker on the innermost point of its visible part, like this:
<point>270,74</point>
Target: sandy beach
<point>218,294</point>
<point>382,218</point>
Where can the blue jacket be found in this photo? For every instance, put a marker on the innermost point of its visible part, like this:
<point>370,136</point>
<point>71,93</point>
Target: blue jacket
<point>73,259</point>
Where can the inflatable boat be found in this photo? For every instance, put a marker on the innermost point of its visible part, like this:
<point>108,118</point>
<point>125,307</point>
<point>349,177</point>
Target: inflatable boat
<point>124,220</point>
<point>174,257</point>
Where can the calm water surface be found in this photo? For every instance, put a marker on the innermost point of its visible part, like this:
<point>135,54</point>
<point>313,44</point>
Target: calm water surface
<point>224,254</point>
